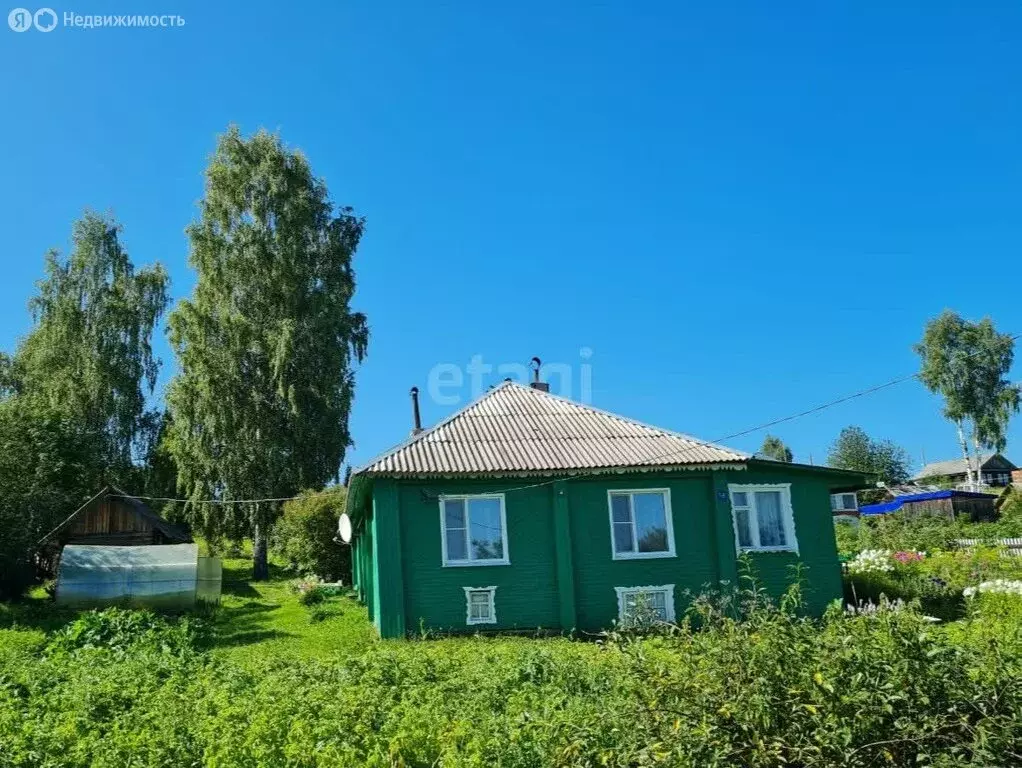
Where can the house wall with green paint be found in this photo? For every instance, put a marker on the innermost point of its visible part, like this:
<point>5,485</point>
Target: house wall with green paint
<point>562,573</point>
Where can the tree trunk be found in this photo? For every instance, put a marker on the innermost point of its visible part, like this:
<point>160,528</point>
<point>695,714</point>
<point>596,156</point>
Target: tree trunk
<point>965,453</point>
<point>979,459</point>
<point>260,566</point>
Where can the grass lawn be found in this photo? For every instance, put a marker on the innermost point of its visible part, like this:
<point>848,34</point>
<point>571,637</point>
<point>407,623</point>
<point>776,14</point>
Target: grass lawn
<point>256,620</point>
<point>263,619</point>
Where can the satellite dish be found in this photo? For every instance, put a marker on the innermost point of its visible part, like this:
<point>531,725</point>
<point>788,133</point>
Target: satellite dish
<point>344,528</point>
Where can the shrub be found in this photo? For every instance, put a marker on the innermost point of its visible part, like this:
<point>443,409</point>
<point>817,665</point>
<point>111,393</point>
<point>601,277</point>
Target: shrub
<point>312,590</point>
<point>304,537</point>
<point>120,631</point>
<point>884,687</point>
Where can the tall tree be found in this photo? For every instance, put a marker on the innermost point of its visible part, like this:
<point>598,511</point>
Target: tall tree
<point>267,342</point>
<point>48,464</point>
<point>774,448</point>
<point>968,364</point>
<point>89,355</point>
<point>856,450</point>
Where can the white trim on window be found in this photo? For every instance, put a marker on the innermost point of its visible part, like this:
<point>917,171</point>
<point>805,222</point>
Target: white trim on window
<point>470,561</point>
<point>491,605</point>
<point>666,589</point>
<point>838,502</point>
<point>787,517</point>
<point>669,520</point>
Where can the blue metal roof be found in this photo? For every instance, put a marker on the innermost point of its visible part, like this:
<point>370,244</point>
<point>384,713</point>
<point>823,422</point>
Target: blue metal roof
<point>894,506</point>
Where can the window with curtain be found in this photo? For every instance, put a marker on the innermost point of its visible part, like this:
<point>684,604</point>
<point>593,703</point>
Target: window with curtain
<point>480,605</point>
<point>763,518</point>
<point>474,530</point>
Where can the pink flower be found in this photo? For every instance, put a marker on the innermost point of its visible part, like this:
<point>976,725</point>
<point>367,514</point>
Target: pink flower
<point>908,557</point>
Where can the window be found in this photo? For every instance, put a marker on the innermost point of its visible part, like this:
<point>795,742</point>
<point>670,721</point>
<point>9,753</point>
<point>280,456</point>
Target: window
<point>843,502</point>
<point>763,518</point>
<point>473,530</point>
<point>645,604</point>
<point>640,524</point>
<point>479,605</point>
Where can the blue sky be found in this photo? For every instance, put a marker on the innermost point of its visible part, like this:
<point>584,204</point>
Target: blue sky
<point>741,209</point>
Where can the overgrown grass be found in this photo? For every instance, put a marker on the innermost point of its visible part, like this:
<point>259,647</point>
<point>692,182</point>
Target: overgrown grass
<point>263,683</point>
<point>264,619</point>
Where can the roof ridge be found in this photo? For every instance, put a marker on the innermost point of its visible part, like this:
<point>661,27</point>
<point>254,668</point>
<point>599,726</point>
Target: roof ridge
<point>630,420</point>
<point>587,436</point>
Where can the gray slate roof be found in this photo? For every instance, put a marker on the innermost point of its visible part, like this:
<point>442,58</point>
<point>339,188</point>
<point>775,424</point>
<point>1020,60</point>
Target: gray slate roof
<point>518,429</point>
<point>950,467</point>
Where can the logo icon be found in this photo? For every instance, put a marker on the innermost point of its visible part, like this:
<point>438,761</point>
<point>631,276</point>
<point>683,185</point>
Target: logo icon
<point>20,19</point>
<point>45,19</point>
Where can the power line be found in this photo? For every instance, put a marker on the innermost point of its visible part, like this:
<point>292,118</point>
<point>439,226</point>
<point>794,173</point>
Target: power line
<point>202,501</point>
<point>696,443</point>
<point>784,419</point>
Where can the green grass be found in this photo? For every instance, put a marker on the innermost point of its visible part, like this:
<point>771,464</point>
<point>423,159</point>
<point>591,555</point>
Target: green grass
<point>263,619</point>
<point>256,620</point>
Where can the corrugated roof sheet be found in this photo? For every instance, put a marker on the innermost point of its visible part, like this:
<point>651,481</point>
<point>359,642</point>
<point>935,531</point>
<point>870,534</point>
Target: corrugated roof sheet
<point>515,429</point>
<point>950,467</point>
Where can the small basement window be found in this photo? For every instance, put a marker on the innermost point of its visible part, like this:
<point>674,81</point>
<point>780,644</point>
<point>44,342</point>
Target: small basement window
<point>643,605</point>
<point>763,518</point>
<point>844,502</point>
<point>480,607</point>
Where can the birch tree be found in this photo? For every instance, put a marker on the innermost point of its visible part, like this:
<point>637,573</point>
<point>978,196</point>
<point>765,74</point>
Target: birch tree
<point>267,342</point>
<point>968,365</point>
<point>774,448</point>
<point>89,354</point>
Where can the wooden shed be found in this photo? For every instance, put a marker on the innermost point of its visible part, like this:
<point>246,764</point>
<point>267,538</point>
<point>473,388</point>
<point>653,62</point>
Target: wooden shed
<point>111,518</point>
<point>977,507</point>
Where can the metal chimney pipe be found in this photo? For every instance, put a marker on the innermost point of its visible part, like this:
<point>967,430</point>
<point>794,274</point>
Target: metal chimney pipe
<point>542,386</point>
<point>416,419</point>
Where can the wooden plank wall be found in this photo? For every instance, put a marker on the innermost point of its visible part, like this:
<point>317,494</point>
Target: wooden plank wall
<point>113,520</point>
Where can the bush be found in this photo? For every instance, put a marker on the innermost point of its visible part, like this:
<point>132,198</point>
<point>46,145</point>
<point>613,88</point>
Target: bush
<point>311,590</point>
<point>938,579</point>
<point>48,467</point>
<point>121,631</point>
<point>882,688</point>
<point>304,537</point>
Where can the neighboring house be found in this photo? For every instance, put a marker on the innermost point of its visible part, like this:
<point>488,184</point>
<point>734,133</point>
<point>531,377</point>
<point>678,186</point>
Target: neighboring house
<point>845,506</point>
<point>111,518</point>
<point>525,510</point>
<point>994,468</point>
<point>930,500</point>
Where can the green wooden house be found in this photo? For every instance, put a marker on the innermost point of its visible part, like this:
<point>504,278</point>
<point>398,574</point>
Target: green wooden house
<point>525,510</point>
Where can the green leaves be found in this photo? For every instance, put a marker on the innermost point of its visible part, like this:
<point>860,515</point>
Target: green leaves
<point>774,448</point>
<point>122,688</point>
<point>268,341</point>
<point>968,365</point>
<point>89,354</point>
<point>856,450</point>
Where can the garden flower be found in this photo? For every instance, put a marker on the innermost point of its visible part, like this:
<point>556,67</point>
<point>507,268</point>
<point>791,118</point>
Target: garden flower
<point>871,561</point>
<point>909,557</point>
<point>995,587</point>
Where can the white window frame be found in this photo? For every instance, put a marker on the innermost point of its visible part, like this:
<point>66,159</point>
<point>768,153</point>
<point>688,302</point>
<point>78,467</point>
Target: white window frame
<point>467,497</point>
<point>624,592</point>
<point>636,555</point>
<point>492,592</point>
<point>841,509</point>
<point>787,517</point>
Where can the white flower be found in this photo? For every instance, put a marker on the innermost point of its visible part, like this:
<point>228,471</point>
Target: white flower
<point>871,561</point>
<point>995,587</point>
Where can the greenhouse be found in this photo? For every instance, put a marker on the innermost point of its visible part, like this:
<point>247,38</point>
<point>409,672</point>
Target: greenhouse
<point>163,576</point>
